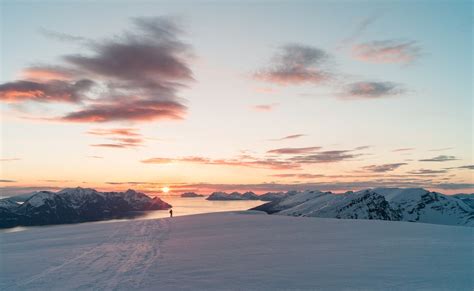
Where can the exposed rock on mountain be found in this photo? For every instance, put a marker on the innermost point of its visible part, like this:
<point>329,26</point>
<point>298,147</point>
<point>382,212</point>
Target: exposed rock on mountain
<point>72,205</point>
<point>412,204</point>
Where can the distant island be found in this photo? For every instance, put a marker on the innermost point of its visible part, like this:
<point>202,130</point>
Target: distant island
<point>235,196</point>
<point>191,195</point>
<point>73,205</point>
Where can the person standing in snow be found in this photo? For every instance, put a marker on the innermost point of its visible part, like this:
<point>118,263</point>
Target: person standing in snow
<point>171,212</point>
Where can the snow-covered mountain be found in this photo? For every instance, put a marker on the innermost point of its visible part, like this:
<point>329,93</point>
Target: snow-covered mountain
<point>250,196</point>
<point>272,196</point>
<point>246,196</point>
<point>226,196</point>
<point>411,204</point>
<point>466,198</point>
<point>75,205</point>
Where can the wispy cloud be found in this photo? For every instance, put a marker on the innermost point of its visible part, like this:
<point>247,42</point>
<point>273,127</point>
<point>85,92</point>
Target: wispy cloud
<point>121,137</point>
<point>359,148</point>
<point>265,107</point>
<point>325,157</point>
<point>55,181</point>
<point>455,186</point>
<point>247,161</point>
<point>9,159</point>
<point>121,143</point>
<point>360,28</point>
<point>296,64</point>
<point>383,168</point>
<point>371,90</point>
<point>298,175</point>
<point>6,181</point>
<point>387,51</point>
<point>303,150</point>
<point>293,136</point>
<point>114,131</point>
<point>440,149</point>
<point>60,35</point>
<point>427,172</point>
<point>441,158</point>
<point>403,150</point>
<point>322,186</point>
<point>466,167</point>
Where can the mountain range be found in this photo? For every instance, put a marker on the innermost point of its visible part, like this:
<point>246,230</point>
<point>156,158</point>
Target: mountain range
<point>73,205</point>
<point>397,204</point>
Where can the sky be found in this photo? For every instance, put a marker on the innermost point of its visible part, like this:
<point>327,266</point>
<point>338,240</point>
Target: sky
<point>236,95</point>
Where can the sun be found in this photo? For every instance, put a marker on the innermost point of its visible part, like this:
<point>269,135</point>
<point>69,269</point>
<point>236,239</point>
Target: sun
<point>165,189</point>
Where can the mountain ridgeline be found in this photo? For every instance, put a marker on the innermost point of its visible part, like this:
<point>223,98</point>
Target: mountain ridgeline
<point>397,204</point>
<point>73,205</point>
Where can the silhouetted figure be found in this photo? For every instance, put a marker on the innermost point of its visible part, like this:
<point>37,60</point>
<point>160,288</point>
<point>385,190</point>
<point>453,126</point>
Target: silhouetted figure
<point>171,212</point>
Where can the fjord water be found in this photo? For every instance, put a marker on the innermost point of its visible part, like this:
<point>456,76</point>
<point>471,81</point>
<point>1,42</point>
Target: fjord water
<point>199,205</point>
<point>181,207</point>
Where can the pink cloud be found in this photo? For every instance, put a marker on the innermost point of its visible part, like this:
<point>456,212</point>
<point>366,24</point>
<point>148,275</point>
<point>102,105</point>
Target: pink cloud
<point>386,52</point>
<point>50,91</point>
<point>303,150</point>
<point>139,111</point>
<point>265,107</point>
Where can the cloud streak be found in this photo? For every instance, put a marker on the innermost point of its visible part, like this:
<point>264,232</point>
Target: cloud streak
<point>247,161</point>
<point>121,137</point>
<point>402,150</point>
<point>325,157</point>
<point>383,168</point>
<point>303,150</point>
<point>441,158</point>
<point>427,172</point>
<point>265,107</point>
<point>387,51</point>
<point>298,175</point>
<point>289,137</point>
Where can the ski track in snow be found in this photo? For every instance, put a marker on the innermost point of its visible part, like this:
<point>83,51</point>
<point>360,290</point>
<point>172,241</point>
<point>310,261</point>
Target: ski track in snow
<point>111,264</point>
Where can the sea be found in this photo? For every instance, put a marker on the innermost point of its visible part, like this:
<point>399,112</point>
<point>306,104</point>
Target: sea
<point>181,206</point>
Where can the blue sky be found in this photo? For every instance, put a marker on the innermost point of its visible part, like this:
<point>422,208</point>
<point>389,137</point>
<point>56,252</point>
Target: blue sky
<point>419,96</point>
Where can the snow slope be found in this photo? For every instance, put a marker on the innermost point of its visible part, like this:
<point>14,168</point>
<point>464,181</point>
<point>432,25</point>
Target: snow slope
<point>239,251</point>
<point>399,204</point>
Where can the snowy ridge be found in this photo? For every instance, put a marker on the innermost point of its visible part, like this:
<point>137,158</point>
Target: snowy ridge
<point>409,204</point>
<point>466,198</point>
<point>72,205</point>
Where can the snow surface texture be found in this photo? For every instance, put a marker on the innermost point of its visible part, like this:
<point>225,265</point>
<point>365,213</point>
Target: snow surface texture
<point>466,198</point>
<point>232,251</point>
<point>405,204</point>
